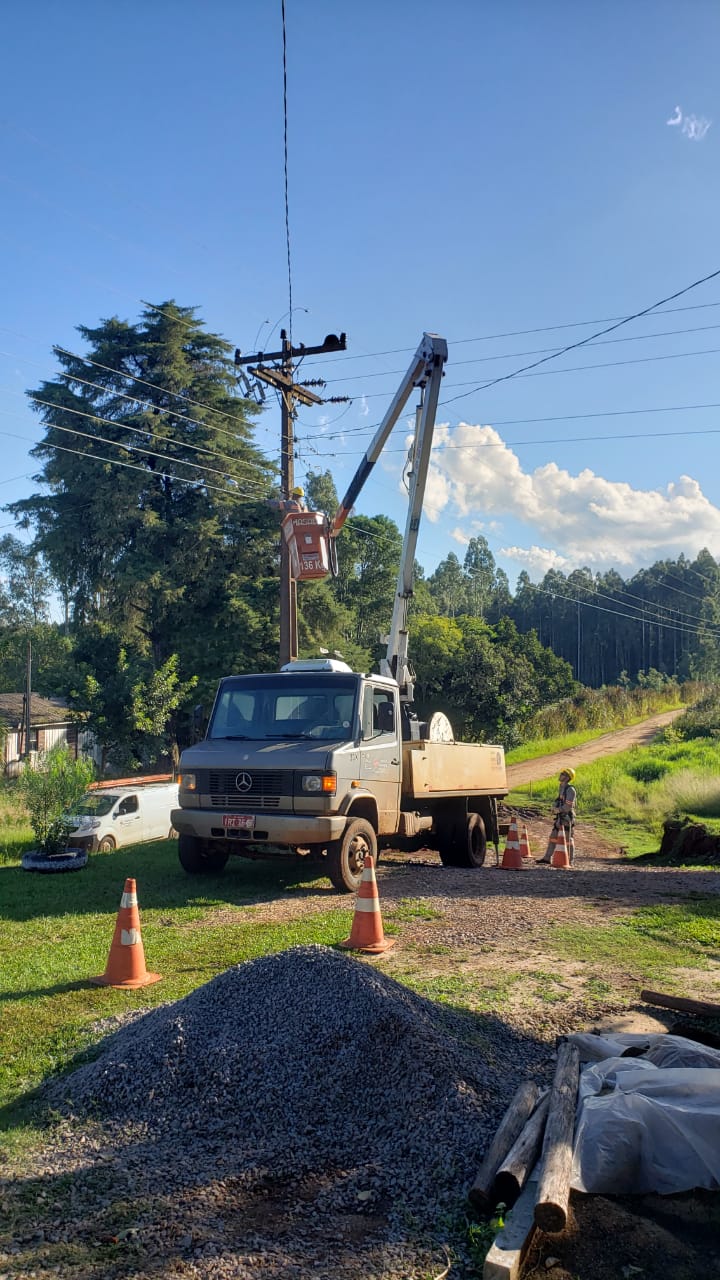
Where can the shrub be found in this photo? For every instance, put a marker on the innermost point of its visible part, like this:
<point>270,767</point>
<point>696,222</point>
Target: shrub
<point>51,789</point>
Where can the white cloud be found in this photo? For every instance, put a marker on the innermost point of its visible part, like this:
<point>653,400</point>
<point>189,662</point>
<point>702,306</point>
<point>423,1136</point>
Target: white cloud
<point>582,519</point>
<point>364,407</point>
<point>537,560</point>
<point>694,127</point>
<point>460,536</point>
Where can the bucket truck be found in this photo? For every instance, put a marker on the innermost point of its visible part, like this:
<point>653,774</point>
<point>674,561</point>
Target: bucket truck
<point>322,761</point>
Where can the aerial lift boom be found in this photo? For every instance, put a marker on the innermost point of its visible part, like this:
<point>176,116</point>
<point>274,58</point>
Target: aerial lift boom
<point>426,372</point>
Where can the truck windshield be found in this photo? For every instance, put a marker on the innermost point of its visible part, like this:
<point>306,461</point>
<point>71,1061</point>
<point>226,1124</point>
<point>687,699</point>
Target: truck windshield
<point>95,806</point>
<point>285,706</point>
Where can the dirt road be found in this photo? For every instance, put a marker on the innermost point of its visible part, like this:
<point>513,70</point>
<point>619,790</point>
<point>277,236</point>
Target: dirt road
<point>609,744</point>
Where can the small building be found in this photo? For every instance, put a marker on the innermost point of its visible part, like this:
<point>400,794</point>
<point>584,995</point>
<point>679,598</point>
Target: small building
<point>51,722</point>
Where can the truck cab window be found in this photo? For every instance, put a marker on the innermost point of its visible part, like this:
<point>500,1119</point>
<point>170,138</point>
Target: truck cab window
<point>128,805</point>
<point>378,712</point>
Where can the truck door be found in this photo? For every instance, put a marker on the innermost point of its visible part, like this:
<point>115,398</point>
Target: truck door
<point>128,823</point>
<point>380,755</point>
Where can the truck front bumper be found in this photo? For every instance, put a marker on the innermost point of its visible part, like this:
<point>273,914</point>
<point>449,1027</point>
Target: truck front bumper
<point>290,829</point>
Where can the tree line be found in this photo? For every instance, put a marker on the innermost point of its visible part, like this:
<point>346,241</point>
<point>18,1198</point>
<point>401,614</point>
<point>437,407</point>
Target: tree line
<point>151,522</point>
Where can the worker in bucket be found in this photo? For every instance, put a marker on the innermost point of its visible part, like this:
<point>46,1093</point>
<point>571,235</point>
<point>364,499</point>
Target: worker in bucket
<point>564,808</point>
<point>296,501</point>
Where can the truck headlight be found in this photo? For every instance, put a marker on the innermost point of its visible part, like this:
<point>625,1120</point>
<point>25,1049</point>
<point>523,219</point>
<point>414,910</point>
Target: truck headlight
<point>188,782</point>
<point>323,782</point>
<point>93,824</point>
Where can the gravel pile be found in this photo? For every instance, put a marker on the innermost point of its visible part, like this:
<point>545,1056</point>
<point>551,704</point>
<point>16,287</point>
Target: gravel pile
<point>306,1062</point>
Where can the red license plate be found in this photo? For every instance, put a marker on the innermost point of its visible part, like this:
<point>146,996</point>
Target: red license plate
<point>239,821</point>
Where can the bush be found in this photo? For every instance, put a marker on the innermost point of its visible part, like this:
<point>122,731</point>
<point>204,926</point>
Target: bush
<point>51,789</point>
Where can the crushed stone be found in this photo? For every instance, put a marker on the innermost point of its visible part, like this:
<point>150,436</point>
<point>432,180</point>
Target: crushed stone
<point>309,1064</point>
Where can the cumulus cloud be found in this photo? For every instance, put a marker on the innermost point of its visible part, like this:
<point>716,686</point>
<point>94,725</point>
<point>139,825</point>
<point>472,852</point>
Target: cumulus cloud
<point>583,519</point>
<point>460,536</point>
<point>694,127</point>
<point>537,560</point>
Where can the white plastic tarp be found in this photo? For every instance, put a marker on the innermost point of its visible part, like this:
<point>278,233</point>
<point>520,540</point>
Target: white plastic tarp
<point>647,1125</point>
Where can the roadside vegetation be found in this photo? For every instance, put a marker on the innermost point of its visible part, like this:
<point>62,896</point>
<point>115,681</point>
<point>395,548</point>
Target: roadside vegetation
<point>593,712</point>
<point>631,795</point>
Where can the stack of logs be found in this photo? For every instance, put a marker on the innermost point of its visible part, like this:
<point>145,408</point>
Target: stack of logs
<point>538,1123</point>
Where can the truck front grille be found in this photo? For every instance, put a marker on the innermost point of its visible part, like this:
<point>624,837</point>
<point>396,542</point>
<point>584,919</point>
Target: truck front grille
<point>265,790</point>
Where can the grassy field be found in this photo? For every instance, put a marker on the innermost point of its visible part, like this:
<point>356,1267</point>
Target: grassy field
<point>57,929</point>
<point>628,796</point>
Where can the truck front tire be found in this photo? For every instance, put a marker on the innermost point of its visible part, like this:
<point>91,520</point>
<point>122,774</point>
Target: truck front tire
<point>197,858</point>
<point>346,856</point>
<point>462,842</point>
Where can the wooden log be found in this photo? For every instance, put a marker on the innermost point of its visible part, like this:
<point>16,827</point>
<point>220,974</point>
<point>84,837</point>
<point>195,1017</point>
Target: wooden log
<point>510,1126</point>
<point>554,1186</point>
<point>705,1008</point>
<point>522,1156</point>
<point>508,1251</point>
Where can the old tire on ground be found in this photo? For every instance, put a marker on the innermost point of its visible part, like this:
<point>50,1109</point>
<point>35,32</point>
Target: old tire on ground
<point>106,845</point>
<point>197,859</point>
<point>346,856</point>
<point>462,842</point>
<point>56,862</point>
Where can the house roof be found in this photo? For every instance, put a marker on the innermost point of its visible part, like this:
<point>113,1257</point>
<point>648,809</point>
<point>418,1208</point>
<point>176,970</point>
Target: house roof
<point>42,710</point>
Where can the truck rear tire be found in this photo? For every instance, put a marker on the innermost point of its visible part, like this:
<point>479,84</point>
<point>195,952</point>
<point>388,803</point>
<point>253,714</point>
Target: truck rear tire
<point>346,856</point>
<point>463,843</point>
<point>197,858</point>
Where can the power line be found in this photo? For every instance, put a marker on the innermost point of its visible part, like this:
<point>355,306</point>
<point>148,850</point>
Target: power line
<point>521,333</point>
<point>128,446</point>
<point>116,462</point>
<point>670,626</point>
<point>124,426</point>
<point>573,346</point>
<point>513,355</point>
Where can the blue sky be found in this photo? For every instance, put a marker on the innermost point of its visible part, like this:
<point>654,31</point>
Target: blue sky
<point>473,169</point>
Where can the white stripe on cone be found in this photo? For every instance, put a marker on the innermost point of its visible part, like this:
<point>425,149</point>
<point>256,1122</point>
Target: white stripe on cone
<point>129,900</point>
<point>129,937</point>
<point>368,904</point>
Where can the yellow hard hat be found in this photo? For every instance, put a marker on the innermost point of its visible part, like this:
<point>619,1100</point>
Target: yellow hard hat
<point>297,492</point>
<point>570,773</point>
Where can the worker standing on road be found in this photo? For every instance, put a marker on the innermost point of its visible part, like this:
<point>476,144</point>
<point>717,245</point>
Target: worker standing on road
<point>564,808</point>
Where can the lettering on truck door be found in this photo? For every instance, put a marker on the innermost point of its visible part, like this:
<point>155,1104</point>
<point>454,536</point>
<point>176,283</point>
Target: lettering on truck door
<point>380,753</point>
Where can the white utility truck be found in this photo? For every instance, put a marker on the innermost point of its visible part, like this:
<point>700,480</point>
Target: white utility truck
<point>317,759</point>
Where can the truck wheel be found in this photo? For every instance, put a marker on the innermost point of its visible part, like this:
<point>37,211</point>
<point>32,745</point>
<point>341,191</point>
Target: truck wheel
<point>463,843</point>
<point>346,857</point>
<point>476,841</point>
<point>106,845</point>
<point>197,859</point>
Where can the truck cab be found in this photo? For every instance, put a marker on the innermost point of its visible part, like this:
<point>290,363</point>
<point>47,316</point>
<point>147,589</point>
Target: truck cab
<point>288,759</point>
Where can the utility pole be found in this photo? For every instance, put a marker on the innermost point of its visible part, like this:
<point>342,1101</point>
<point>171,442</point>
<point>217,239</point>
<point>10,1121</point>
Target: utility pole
<point>282,379</point>
<point>28,697</point>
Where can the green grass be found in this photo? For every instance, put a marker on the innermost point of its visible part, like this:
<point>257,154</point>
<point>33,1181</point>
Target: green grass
<point>650,944</point>
<point>57,931</point>
<point>15,831</point>
<point>628,796</point>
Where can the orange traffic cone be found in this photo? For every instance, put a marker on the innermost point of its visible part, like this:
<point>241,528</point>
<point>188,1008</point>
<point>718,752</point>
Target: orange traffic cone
<point>560,857</point>
<point>126,961</point>
<point>512,857</point>
<point>525,843</point>
<point>367,930</point>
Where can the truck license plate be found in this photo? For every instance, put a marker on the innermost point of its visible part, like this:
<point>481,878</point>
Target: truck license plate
<point>239,821</point>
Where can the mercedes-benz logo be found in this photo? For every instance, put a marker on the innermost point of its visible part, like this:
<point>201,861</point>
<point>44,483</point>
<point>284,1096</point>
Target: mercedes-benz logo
<point>243,782</point>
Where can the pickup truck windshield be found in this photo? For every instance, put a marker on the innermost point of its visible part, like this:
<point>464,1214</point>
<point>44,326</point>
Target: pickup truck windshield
<point>285,706</point>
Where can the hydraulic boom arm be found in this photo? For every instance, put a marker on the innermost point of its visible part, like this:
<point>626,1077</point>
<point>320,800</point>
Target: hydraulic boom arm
<point>426,372</point>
